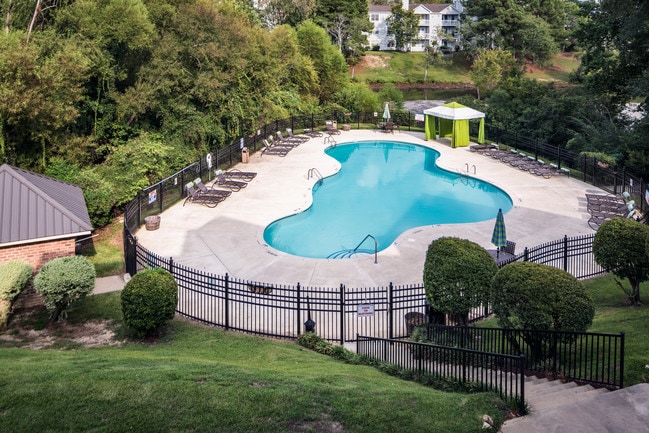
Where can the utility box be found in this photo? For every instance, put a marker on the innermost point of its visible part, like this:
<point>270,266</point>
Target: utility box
<point>245,155</point>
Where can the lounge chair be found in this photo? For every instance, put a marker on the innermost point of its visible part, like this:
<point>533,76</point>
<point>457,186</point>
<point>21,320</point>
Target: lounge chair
<point>232,185</point>
<point>480,148</point>
<point>330,128</point>
<point>302,138</point>
<point>288,141</point>
<point>195,196</point>
<point>274,150</point>
<point>389,127</point>
<point>312,133</point>
<point>202,189</point>
<point>236,174</point>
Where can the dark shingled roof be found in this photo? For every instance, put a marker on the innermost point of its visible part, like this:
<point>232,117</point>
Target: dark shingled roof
<point>33,207</point>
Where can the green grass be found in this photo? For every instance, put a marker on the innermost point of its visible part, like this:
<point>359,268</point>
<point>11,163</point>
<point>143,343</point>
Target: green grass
<point>613,315</point>
<point>559,69</point>
<point>410,68</point>
<point>105,250</point>
<point>197,378</point>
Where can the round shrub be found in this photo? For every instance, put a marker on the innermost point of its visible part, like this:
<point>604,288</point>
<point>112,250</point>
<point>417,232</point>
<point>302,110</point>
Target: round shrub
<point>64,280</point>
<point>14,276</point>
<point>149,300</point>
<point>457,276</point>
<point>534,296</point>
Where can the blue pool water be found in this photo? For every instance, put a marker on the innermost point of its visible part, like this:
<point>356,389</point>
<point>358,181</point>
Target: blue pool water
<point>382,189</point>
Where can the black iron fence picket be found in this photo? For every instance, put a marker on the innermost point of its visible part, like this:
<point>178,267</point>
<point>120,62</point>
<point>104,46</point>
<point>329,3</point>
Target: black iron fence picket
<point>586,357</point>
<point>497,372</point>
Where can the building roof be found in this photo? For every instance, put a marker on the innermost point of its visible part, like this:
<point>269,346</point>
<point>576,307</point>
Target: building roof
<point>432,7</point>
<point>34,207</point>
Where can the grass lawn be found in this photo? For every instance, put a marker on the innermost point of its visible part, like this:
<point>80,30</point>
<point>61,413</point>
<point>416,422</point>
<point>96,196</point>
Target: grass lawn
<point>201,379</point>
<point>408,68</point>
<point>105,250</point>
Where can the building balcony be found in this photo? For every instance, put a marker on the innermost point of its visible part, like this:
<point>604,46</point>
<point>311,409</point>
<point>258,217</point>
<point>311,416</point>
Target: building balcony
<point>450,23</point>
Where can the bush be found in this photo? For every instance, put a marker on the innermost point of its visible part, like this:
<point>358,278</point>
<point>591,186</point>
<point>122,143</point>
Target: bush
<point>14,276</point>
<point>457,276</point>
<point>533,296</point>
<point>149,300</point>
<point>64,280</point>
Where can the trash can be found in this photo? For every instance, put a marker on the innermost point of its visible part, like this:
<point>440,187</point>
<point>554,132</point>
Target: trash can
<point>245,155</point>
<point>152,222</point>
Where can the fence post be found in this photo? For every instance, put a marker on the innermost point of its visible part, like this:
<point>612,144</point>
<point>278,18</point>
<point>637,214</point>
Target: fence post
<point>342,314</point>
<point>139,208</point>
<point>525,255</point>
<point>565,253</point>
<point>521,403</point>
<point>171,265</point>
<point>299,308</point>
<point>390,312</point>
<point>160,208</point>
<point>227,302</point>
<point>621,360</point>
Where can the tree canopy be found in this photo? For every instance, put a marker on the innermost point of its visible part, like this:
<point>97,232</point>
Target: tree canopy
<point>621,246</point>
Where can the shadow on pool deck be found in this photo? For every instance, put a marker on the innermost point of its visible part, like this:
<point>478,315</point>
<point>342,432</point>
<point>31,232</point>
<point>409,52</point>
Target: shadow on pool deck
<point>229,238</point>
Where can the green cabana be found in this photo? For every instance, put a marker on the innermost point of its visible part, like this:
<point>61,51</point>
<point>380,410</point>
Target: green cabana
<point>453,122</point>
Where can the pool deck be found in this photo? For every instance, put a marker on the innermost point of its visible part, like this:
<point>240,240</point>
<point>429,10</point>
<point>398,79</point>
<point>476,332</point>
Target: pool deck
<point>229,238</point>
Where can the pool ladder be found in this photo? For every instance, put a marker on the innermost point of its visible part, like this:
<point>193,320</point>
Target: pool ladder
<point>330,139</point>
<point>314,173</point>
<point>466,168</point>
<point>345,254</point>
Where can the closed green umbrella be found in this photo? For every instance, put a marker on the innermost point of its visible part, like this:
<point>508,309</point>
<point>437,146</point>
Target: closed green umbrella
<point>386,112</point>
<point>499,236</point>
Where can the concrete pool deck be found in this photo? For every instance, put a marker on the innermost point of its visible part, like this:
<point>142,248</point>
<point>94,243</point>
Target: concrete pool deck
<point>229,238</point>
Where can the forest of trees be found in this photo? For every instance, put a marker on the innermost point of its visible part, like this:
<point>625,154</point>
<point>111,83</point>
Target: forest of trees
<point>114,94</point>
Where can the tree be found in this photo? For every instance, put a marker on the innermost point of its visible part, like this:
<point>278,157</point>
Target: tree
<point>457,276</point>
<point>291,12</point>
<point>490,68</point>
<point>404,25</point>
<point>348,22</point>
<point>621,246</point>
<point>327,61</point>
<point>523,27</point>
<point>532,296</point>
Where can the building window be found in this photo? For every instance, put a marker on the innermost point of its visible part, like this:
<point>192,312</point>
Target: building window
<point>423,17</point>
<point>374,17</point>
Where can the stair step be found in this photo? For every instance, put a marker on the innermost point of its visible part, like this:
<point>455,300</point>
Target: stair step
<point>572,395</point>
<point>549,388</point>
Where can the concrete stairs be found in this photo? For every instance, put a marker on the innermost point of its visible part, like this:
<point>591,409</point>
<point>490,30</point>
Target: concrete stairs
<point>543,395</point>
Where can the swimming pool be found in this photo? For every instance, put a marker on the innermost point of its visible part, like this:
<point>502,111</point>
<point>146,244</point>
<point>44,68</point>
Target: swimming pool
<point>382,189</point>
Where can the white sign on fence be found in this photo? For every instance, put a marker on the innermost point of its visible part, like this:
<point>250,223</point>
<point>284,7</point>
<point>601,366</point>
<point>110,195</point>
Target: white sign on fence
<point>366,310</point>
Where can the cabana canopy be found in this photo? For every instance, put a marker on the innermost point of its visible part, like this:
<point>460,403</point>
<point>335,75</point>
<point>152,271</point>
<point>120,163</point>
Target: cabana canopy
<point>454,122</point>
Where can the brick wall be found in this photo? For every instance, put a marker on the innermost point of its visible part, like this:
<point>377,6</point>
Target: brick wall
<point>39,253</point>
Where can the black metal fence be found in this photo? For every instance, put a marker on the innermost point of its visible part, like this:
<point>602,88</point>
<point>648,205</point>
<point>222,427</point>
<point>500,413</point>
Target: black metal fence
<point>501,373</point>
<point>340,312</point>
<point>593,358</point>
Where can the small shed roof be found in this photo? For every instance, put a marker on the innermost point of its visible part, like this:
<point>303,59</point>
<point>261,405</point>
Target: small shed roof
<point>454,111</point>
<point>34,207</point>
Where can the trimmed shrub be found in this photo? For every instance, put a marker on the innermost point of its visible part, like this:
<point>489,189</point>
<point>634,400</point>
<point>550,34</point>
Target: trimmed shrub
<point>533,296</point>
<point>457,276</point>
<point>149,300</point>
<point>14,276</point>
<point>64,280</point>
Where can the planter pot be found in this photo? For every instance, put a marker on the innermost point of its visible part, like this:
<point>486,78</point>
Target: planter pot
<point>152,222</point>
